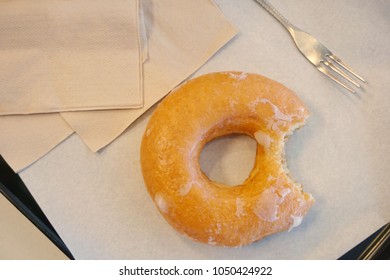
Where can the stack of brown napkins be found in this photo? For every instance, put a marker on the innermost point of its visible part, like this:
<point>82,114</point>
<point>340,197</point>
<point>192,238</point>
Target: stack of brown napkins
<point>94,66</point>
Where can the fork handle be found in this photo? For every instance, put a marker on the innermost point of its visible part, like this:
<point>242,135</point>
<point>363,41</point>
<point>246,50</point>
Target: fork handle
<point>276,14</point>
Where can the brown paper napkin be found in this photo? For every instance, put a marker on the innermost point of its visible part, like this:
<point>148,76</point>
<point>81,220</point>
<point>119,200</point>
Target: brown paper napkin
<point>182,35</point>
<point>69,55</point>
<point>24,139</point>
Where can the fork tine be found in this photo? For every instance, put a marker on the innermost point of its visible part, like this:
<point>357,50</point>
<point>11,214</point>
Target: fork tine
<point>346,67</point>
<point>325,71</point>
<point>340,72</point>
<point>317,53</point>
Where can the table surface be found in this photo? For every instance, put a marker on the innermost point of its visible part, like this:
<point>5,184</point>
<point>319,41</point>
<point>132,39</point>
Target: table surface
<point>20,239</point>
<point>98,203</point>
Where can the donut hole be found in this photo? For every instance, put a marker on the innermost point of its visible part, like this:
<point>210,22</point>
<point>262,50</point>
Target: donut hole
<point>228,159</point>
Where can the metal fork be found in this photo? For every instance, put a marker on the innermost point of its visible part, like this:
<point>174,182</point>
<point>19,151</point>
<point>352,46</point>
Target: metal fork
<point>322,58</point>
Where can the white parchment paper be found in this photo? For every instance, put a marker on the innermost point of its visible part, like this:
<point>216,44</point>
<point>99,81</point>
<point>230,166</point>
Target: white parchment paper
<point>100,207</point>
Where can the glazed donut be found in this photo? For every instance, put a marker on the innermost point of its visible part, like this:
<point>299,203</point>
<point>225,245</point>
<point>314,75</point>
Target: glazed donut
<point>197,112</point>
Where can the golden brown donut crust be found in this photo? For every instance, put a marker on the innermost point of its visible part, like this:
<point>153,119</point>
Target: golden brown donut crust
<point>195,113</point>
